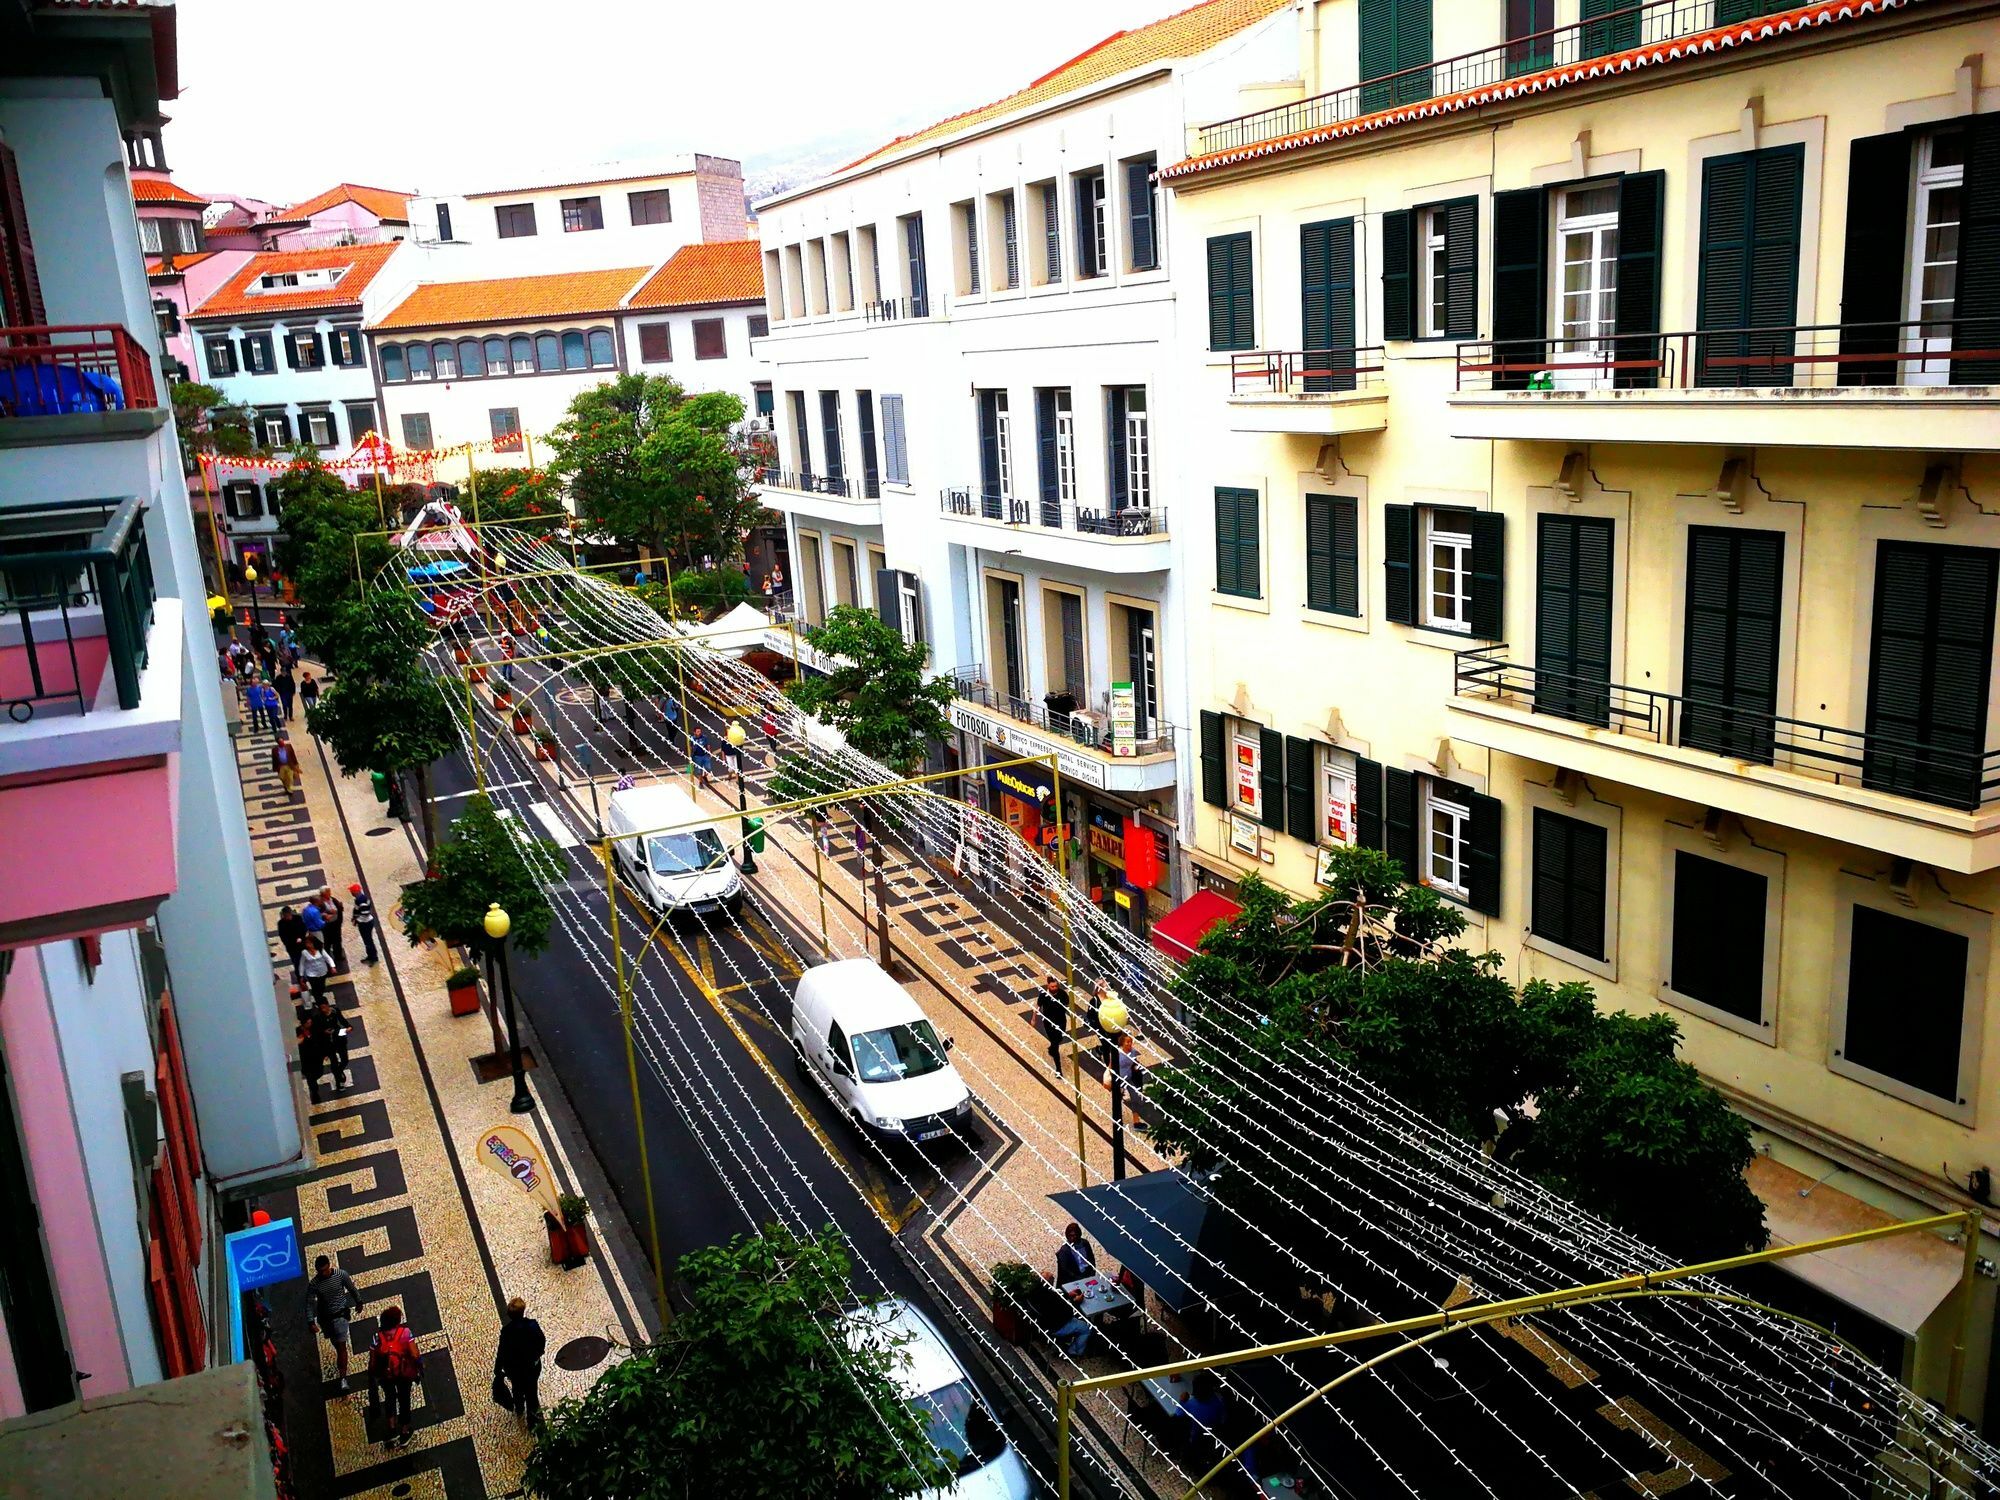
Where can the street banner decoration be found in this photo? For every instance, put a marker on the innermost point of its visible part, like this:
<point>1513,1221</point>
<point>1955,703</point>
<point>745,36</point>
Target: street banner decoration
<point>508,1151</point>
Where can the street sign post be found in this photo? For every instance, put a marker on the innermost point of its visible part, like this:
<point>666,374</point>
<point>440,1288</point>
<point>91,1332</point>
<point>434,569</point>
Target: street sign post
<point>257,1257</point>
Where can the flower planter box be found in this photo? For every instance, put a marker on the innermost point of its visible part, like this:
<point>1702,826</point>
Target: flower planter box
<point>464,998</point>
<point>569,1244</point>
<point>502,699</point>
<point>1006,1322</point>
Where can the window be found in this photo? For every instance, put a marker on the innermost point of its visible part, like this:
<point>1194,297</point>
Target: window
<point>846,572</point>
<point>1430,270</point>
<point>303,351</point>
<point>274,429</point>
<point>831,435</point>
<point>495,353</point>
<point>1333,554</point>
<point>278,281</point>
<point>996,462</point>
<point>1929,669</point>
<point>1237,567</point>
<point>1062,645</point>
<point>548,353</point>
<point>760,325</point>
<point>515,220</point>
<point>166,317</point>
<point>1567,906</point>
<point>815,270</point>
<point>579,214</point>
<point>1717,956</point>
<point>1530,47</point>
<point>840,272</point>
<point>895,453</point>
<point>1050,201</point>
<point>968,250</point>
<point>710,340</point>
<point>575,353</point>
<point>868,263</point>
<point>1395,51</point>
<point>1906,1002</point>
<point>258,358</point>
<point>914,265</point>
<point>20,290</point>
<point>1447,835</point>
<point>603,349</point>
<point>871,468</point>
<point>1433,274</point>
<point>1934,252</point>
<point>1443,568</point>
<point>655,345</point>
<point>444,221</point>
<point>505,422</point>
<point>1007,230</point>
<point>420,360</point>
<point>345,349</point>
<point>1128,449</point>
<point>149,236</point>
<point>1447,596</point>
<point>471,358</point>
<point>762,402</point>
<point>360,419</point>
<point>1093,254</point>
<point>1232,306</point>
<point>1336,797</point>
<point>219,355</point>
<point>1246,769</point>
<point>1142,216</point>
<point>521,354</point>
<point>417,430</point>
<point>650,206</point>
<point>1749,272</point>
<point>444,359</point>
<point>1055,449</point>
<point>801,433</point>
<point>395,367</point>
<point>242,500</point>
<point>1586,269</point>
<point>317,428</point>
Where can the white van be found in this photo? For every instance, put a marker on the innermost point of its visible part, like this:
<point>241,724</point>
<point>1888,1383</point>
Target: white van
<point>938,1390</point>
<point>861,1035</point>
<point>675,867</point>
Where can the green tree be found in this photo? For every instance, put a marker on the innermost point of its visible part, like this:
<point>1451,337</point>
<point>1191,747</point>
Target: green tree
<point>751,1391</point>
<point>208,422</point>
<point>879,695</point>
<point>384,711</point>
<point>485,860</point>
<point>516,494</point>
<point>324,519</point>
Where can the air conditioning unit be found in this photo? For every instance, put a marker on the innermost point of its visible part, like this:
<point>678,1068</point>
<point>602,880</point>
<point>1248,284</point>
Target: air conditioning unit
<point>1086,728</point>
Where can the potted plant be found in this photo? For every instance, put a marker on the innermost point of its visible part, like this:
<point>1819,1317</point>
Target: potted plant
<point>462,985</point>
<point>545,744</point>
<point>575,1214</point>
<point>503,695</point>
<point>1012,1292</point>
<point>524,718</point>
<point>479,672</point>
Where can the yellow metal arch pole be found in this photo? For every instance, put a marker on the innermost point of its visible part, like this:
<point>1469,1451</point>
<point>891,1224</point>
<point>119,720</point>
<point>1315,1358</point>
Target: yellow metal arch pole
<point>1968,1278</point>
<point>1069,977</point>
<point>472,732</point>
<point>632,1076</point>
<point>214,531</point>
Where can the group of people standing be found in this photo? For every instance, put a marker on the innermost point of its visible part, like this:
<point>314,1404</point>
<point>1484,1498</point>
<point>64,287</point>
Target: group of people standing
<point>1117,1051</point>
<point>314,938</point>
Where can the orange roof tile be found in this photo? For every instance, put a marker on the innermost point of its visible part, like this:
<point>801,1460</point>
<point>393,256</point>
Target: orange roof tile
<point>725,271</point>
<point>234,299</point>
<point>386,204</point>
<point>155,264</point>
<point>158,190</point>
<point>1183,34</point>
<point>511,299</point>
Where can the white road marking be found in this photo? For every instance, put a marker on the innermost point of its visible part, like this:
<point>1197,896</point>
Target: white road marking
<point>504,786</point>
<point>551,820</point>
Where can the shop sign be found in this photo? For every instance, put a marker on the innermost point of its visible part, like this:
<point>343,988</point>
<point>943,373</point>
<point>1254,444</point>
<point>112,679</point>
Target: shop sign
<point>1107,846</point>
<point>1243,834</point>
<point>1323,867</point>
<point>1030,784</point>
<point>1248,769</point>
<point>1124,719</point>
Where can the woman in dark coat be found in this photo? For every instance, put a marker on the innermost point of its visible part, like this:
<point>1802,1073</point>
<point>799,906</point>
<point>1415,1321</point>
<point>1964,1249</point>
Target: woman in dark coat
<point>292,933</point>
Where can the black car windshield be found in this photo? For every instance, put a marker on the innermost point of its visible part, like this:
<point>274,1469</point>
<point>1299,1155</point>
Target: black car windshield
<point>897,1052</point>
<point>684,853</point>
<point>963,1430</point>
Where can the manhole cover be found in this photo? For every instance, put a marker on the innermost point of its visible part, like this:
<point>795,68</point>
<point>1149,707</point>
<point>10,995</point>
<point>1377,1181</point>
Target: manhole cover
<point>400,1490</point>
<point>376,833</point>
<point>583,1353</point>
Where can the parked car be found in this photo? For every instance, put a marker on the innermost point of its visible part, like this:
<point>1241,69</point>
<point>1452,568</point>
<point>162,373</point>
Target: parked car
<point>675,865</point>
<point>874,1051</point>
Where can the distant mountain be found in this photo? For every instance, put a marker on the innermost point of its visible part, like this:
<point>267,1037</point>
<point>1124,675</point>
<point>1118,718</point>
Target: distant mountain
<point>772,172</point>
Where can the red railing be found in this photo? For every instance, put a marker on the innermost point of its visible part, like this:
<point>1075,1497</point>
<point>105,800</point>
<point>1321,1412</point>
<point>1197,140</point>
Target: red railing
<point>60,371</point>
<point>1305,372</point>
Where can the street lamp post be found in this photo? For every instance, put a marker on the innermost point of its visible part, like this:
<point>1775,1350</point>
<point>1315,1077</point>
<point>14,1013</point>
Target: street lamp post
<point>256,604</point>
<point>1111,1018</point>
<point>736,738</point>
<point>498,925</point>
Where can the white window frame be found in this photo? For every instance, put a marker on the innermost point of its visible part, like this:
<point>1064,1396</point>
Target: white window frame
<point>1003,436</point>
<point>1457,546</point>
<point>312,355</point>
<point>258,355</point>
<point>310,421</point>
<point>968,223</point>
<point>1337,797</point>
<point>1928,181</point>
<point>1452,874</point>
<point>1598,232</point>
<point>270,425</point>
<point>1100,243</point>
<point>150,236</point>
<point>1433,275</point>
<point>1138,452</point>
<point>1065,448</point>
<point>1246,765</point>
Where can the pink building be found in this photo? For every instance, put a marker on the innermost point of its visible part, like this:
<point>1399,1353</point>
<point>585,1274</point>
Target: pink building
<point>235,221</point>
<point>346,214</point>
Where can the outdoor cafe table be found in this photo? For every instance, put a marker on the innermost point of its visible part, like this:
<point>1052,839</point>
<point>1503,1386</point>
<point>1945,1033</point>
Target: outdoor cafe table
<point>1096,1296</point>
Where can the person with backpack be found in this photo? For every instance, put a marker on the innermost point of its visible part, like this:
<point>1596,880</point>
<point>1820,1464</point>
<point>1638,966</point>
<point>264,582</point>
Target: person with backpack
<point>332,1299</point>
<point>395,1365</point>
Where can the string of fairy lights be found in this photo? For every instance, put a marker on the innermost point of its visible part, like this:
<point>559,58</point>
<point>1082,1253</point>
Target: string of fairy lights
<point>1438,1187</point>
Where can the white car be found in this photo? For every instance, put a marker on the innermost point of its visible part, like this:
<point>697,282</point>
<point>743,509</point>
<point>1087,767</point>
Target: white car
<point>874,1051</point>
<point>938,1389</point>
<point>670,854</point>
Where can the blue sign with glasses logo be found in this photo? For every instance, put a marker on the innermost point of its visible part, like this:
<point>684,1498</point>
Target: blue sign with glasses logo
<point>268,1253</point>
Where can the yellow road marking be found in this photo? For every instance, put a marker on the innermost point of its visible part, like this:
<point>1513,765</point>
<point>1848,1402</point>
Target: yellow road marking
<point>760,935</point>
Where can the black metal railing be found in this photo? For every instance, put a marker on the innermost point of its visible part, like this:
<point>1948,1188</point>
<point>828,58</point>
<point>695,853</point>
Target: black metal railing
<point>55,562</point>
<point>1936,352</point>
<point>1558,47</point>
<point>1305,372</point>
<point>1058,713</point>
<point>896,309</point>
<point>1963,776</point>
<point>987,502</point>
<point>847,486</point>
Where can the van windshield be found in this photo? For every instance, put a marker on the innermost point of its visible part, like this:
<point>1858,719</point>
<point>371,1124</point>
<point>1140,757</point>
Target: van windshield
<point>684,853</point>
<point>897,1052</point>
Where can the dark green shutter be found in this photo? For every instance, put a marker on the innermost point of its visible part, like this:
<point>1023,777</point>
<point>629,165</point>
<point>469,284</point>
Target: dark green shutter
<point>1461,256</point>
<point>1520,283</point>
<point>1482,873</point>
<point>1872,287</point>
<point>1231,295</point>
<point>1139,214</point>
<point>1326,288</point>
<point>1977,309</point>
<point>1367,803</point>
<point>1271,777</point>
<point>1566,901</point>
<point>1906,1001</point>
<point>1399,257</point>
<point>1609,26</point>
<point>1346,555</point>
<point>1319,552</point>
<point>1399,819</point>
<point>1636,301</point>
<point>1729,12</point>
<point>291,351</point>
<point>1729,656</point>
<point>1301,777</point>
<point>1237,566</point>
<point>1047,459</point>
<point>1214,783</point>
<point>1928,673</point>
<point>864,426</point>
<point>1051,232</point>
<point>1530,48</point>
<point>1573,617</point>
<point>989,454</point>
<point>1399,563</point>
<point>1749,277</point>
<point>1413,50</point>
<point>1486,606</point>
<point>1378,53</point>
<point>1116,408</point>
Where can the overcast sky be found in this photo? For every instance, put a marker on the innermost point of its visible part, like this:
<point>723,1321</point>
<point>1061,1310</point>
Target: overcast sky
<point>279,100</point>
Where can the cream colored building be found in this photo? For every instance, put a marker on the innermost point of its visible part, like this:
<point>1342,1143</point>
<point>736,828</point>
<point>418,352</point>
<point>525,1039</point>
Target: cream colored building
<point>1668,657</point>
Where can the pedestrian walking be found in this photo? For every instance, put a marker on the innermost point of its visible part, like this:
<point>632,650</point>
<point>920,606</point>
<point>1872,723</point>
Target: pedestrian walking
<point>507,657</point>
<point>253,705</point>
<point>395,1364</point>
<point>315,965</point>
<point>267,654</point>
<point>517,1362</point>
<point>239,659</point>
<point>1052,1014</point>
<point>703,761</point>
<point>365,922</point>
<point>332,1299</point>
<point>287,686</point>
<point>312,1054</point>
<point>1125,1074</point>
<point>292,933</point>
<point>285,761</point>
<point>309,691</point>
<point>334,931</point>
<point>330,1032</point>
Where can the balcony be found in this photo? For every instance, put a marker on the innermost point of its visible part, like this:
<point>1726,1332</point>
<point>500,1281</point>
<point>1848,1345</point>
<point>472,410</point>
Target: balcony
<point>1828,385</point>
<point>1308,392</point>
<point>90,684</point>
<point>1088,746</point>
<point>1936,803</point>
<point>896,310</point>
<point>857,502</point>
<point>79,383</point>
<point>1132,539</point>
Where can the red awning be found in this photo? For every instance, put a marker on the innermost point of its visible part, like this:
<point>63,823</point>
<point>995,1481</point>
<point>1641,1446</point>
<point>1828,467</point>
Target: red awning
<point>1179,933</point>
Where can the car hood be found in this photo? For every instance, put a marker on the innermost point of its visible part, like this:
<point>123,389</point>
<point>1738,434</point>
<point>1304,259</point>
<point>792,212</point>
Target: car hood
<point>933,1094</point>
<point>703,885</point>
<point>1006,1478</point>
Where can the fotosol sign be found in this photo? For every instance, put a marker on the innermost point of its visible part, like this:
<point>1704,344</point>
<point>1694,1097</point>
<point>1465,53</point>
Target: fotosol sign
<point>508,1151</point>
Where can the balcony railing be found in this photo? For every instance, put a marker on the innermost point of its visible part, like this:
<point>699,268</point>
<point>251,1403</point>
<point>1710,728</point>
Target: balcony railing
<point>896,309</point>
<point>1058,714</point>
<point>1809,354</point>
<point>1961,776</point>
<point>1305,372</point>
<point>987,502</point>
<point>63,371</point>
<point>846,487</point>
<point>58,561</point>
<point>1558,47</point>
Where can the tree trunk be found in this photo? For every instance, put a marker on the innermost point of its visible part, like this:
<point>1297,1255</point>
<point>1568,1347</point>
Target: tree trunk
<point>429,813</point>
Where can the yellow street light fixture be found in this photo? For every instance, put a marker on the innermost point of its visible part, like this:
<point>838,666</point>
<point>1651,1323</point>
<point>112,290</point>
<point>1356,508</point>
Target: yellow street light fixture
<point>498,924</point>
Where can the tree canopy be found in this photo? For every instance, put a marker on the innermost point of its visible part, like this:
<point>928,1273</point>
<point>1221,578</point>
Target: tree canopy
<point>208,422</point>
<point>751,1391</point>
<point>880,695</point>
<point>323,519</point>
<point>485,860</point>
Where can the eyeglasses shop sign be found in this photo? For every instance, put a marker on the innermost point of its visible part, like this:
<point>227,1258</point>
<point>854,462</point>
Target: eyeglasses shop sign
<point>1010,737</point>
